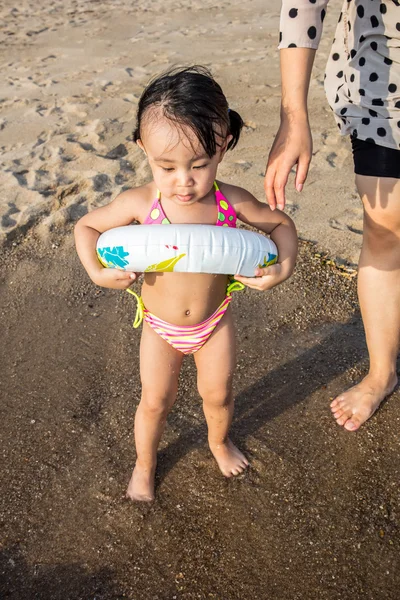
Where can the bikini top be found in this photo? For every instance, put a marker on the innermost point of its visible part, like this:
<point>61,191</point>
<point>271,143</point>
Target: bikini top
<point>226,213</point>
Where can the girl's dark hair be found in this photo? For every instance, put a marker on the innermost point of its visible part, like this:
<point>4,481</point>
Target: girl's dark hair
<point>192,98</point>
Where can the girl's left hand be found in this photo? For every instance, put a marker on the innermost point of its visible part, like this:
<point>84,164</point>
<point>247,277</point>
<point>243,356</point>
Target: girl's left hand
<point>264,279</point>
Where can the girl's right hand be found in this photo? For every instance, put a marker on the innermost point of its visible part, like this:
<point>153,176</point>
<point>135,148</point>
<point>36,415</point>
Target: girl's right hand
<point>114,278</point>
<point>292,145</point>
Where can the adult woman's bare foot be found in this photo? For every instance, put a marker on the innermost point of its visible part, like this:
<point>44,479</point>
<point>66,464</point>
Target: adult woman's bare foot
<point>352,408</point>
<point>141,485</point>
<point>229,458</point>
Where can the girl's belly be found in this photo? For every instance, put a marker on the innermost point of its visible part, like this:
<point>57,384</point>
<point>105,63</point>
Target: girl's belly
<point>183,298</point>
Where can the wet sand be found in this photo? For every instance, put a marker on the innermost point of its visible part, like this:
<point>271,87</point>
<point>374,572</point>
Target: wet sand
<point>316,517</point>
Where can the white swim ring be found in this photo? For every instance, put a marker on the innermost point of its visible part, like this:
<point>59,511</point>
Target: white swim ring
<point>186,248</point>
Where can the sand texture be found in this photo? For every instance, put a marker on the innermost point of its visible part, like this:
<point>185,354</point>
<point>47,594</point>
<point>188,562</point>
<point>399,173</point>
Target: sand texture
<point>315,518</point>
<point>72,73</point>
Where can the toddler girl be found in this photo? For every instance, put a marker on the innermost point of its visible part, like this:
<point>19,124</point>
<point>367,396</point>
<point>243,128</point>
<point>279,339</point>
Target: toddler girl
<point>184,127</point>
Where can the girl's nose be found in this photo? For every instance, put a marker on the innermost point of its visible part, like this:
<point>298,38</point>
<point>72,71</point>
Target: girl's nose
<point>185,178</point>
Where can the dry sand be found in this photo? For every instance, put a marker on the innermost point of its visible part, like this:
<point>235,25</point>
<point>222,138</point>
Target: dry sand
<point>317,515</point>
<point>72,72</point>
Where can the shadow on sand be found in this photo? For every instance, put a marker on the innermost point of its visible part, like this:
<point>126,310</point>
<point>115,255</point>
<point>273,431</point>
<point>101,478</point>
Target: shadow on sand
<point>281,388</point>
<point>20,581</point>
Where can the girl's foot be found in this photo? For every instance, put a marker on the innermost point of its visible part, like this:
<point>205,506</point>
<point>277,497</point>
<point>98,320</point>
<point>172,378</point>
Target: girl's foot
<point>352,408</point>
<point>141,485</point>
<point>230,460</point>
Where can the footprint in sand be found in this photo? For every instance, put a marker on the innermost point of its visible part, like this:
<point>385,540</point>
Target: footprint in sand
<point>243,164</point>
<point>101,182</point>
<point>349,220</point>
<point>7,219</point>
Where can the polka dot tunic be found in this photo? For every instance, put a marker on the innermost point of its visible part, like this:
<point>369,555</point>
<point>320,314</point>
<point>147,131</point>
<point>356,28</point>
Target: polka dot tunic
<point>362,80</point>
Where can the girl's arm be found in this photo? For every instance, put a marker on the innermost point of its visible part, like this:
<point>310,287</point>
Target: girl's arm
<point>301,28</point>
<point>282,231</point>
<point>121,211</point>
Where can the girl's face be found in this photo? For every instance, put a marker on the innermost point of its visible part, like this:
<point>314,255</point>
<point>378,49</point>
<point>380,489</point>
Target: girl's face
<point>182,170</point>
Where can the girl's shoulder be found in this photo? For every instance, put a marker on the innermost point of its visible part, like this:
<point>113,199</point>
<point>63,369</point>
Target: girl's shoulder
<point>234,194</point>
<point>139,200</point>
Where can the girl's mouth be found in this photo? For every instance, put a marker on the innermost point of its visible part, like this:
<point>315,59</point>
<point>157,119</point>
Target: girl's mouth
<point>184,198</point>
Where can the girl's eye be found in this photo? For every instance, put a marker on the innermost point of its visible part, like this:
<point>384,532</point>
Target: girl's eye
<point>167,169</point>
<point>200,167</point>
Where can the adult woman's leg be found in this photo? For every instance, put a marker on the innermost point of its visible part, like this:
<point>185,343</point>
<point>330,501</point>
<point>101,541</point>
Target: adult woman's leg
<point>379,296</point>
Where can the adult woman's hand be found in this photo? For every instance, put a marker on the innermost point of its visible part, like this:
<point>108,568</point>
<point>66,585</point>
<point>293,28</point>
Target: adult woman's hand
<point>293,142</point>
<point>292,146</point>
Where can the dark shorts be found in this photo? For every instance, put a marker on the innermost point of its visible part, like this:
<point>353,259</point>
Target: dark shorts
<point>375,161</point>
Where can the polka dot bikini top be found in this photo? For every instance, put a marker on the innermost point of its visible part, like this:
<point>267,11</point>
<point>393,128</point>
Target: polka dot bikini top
<point>226,214</point>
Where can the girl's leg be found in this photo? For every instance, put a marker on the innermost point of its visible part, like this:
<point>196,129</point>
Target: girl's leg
<point>379,295</point>
<point>160,365</point>
<point>216,362</point>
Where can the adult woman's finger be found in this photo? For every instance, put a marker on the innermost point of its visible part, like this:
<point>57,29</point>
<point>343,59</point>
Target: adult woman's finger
<point>269,186</point>
<point>280,184</point>
<point>302,170</point>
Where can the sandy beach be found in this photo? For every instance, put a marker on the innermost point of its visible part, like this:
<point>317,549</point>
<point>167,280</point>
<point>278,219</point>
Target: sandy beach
<point>316,517</point>
<point>71,80</point>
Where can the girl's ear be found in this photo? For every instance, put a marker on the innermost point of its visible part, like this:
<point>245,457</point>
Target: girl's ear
<point>225,146</point>
<point>140,144</point>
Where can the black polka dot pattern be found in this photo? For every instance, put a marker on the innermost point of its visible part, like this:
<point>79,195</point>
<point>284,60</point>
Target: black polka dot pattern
<point>374,21</point>
<point>362,80</point>
<point>312,33</point>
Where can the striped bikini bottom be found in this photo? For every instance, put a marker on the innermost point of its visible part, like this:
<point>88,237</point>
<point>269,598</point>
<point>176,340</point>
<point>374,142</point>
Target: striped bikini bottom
<point>185,338</point>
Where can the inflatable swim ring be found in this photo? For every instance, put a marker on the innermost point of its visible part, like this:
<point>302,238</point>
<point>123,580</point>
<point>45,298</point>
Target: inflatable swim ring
<point>185,248</point>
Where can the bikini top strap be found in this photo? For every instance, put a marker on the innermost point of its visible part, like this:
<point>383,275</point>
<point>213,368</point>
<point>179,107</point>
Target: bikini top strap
<point>158,195</point>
